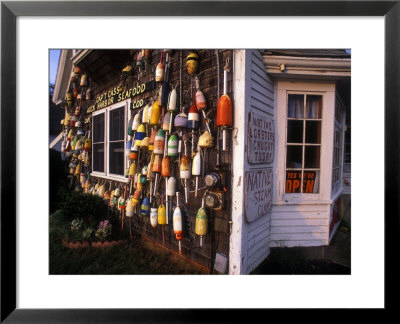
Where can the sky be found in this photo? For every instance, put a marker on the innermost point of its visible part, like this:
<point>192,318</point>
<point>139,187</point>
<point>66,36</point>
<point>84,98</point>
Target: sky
<point>54,56</point>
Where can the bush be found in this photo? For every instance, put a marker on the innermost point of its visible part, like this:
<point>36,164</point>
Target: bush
<point>91,208</point>
<point>85,215</point>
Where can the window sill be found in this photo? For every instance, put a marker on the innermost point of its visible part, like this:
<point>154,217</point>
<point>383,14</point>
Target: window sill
<point>110,177</point>
<point>287,202</point>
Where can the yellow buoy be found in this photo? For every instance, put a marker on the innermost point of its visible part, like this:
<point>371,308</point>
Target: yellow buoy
<point>162,218</point>
<point>155,113</point>
<point>192,62</point>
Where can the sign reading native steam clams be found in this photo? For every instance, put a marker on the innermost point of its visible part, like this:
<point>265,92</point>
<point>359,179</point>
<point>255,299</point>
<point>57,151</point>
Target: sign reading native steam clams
<point>258,193</point>
<point>260,139</point>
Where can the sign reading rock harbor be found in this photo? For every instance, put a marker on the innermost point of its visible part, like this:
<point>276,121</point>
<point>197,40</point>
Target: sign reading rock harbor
<point>260,139</point>
<point>258,193</point>
<point>115,95</point>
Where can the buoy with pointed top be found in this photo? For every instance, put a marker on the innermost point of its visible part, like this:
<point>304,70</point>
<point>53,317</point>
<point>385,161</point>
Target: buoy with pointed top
<point>160,69</point>
<point>159,142</point>
<point>180,123</point>
<point>129,207</point>
<point>166,122</point>
<point>224,110</point>
<point>201,227</point>
<point>136,197</point>
<point>171,107</point>
<point>166,172</point>
<point>201,104</point>
<point>196,170</point>
<point>185,173</point>
<point>133,155</point>
<point>155,114</point>
<point>193,123</point>
<point>173,145</point>
<point>152,139</point>
<point>145,207</point>
<point>157,170</point>
<point>132,170</point>
<point>140,134</point>
<point>177,223</point>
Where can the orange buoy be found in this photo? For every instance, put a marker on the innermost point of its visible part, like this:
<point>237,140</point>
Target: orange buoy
<point>224,110</point>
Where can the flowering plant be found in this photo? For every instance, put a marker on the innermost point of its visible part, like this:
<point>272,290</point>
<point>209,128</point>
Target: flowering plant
<point>104,230</point>
<point>76,224</point>
<point>87,233</point>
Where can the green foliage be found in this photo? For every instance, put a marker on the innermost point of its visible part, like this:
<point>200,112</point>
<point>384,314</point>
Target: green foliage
<point>90,208</point>
<point>103,231</point>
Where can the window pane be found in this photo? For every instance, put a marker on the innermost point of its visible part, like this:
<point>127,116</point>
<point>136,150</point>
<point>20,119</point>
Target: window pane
<point>117,124</point>
<point>116,158</point>
<point>295,131</point>
<point>98,157</point>
<point>311,158</point>
<point>294,156</point>
<point>296,106</point>
<point>313,132</point>
<point>310,181</point>
<point>293,181</point>
<point>98,128</point>
<point>314,107</point>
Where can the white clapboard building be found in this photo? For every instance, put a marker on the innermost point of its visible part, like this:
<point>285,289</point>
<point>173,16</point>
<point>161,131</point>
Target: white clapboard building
<point>290,145</point>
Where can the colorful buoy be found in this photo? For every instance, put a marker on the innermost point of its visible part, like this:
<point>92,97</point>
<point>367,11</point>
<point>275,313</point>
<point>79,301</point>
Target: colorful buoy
<point>173,145</point>
<point>159,142</point>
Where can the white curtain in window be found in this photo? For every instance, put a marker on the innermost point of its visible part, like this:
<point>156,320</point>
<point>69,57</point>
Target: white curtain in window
<point>312,107</point>
<point>296,106</point>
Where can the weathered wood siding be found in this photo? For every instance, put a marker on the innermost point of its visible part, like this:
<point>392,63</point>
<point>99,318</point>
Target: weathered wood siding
<point>260,99</point>
<point>300,225</point>
<point>217,239</point>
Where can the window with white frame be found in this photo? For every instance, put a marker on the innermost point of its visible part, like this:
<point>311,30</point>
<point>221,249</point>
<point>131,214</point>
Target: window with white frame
<point>108,141</point>
<point>338,147</point>
<point>303,142</point>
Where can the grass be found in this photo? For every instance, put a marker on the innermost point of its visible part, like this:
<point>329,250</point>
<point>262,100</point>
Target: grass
<point>138,257</point>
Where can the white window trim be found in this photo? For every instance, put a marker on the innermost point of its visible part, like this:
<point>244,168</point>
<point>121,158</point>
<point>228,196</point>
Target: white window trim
<point>327,90</point>
<point>342,128</point>
<point>296,195</point>
<point>106,111</point>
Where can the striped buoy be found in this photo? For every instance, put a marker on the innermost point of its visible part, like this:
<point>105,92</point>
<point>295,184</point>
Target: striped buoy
<point>159,142</point>
<point>140,134</point>
<point>193,118</point>
<point>173,145</point>
<point>145,207</point>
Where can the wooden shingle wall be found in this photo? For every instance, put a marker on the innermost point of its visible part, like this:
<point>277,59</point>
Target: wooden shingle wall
<point>217,239</point>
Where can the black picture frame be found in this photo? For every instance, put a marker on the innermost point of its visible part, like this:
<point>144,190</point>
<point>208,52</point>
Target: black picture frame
<point>10,10</point>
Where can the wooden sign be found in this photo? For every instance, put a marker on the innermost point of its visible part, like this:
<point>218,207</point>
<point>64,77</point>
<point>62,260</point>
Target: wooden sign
<point>258,193</point>
<point>112,96</point>
<point>260,139</point>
